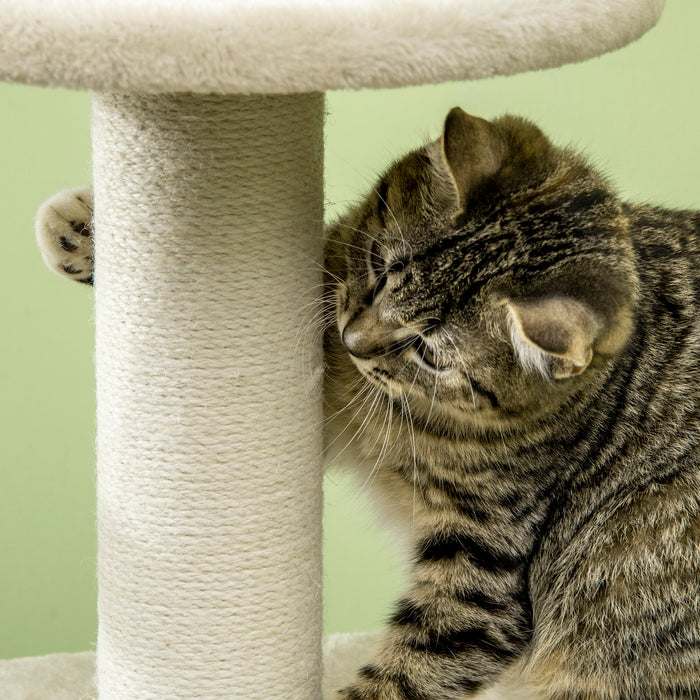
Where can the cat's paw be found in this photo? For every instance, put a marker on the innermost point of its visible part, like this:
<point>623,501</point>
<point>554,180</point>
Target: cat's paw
<point>64,234</point>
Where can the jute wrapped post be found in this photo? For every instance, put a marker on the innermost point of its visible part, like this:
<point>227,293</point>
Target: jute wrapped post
<point>208,227</point>
<point>208,216</point>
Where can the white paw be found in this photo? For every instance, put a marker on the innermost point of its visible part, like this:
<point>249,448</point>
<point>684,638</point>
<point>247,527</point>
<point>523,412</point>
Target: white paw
<point>64,233</point>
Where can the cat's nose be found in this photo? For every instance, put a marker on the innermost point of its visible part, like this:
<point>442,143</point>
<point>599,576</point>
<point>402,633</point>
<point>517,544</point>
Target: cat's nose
<point>363,336</point>
<point>357,343</point>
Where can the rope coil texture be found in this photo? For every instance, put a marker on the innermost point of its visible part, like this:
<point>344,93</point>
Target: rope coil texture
<point>208,218</point>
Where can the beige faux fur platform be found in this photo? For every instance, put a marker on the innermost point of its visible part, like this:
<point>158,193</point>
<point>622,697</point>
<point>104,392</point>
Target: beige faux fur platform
<point>244,46</point>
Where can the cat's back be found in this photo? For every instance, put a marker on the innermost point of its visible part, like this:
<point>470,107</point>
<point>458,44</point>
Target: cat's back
<point>667,244</point>
<point>622,552</point>
<point>663,358</point>
<point>643,436</point>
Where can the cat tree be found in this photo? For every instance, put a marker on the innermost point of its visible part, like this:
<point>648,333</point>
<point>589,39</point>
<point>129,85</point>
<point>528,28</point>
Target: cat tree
<point>208,145</point>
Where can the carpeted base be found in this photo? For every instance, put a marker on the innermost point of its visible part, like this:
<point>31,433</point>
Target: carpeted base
<point>70,676</point>
<point>52,677</point>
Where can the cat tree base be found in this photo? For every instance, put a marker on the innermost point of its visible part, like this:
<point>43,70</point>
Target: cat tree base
<point>72,676</point>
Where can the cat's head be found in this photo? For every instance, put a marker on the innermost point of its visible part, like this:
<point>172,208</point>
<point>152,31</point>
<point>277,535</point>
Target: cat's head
<point>487,276</point>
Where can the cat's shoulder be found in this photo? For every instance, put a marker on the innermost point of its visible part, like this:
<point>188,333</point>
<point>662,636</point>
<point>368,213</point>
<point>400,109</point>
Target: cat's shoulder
<point>657,220</point>
<point>665,236</point>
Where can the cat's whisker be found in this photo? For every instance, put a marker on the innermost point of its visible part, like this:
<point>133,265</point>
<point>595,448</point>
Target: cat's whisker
<point>368,417</point>
<point>311,291</point>
<point>432,402</point>
<point>398,225</point>
<point>318,334</point>
<point>353,246</point>
<point>366,388</point>
<point>326,271</point>
<point>361,232</point>
<point>387,435</point>
<point>360,381</point>
<point>362,277</point>
<point>386,431</point>
<point>314,323</point>
<point>429,323</point>
<point>310,317</point>
<point>412,438</point>
<point>413,445</point>
<point>466,371</point>
<point>317,303</point>
<point>320,305</point>
<point>381,431</point>
<point>415,377</point>
<point>401,414</point>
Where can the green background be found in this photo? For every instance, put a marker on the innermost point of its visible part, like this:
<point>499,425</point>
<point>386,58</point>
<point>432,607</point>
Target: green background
<point>636,113</point>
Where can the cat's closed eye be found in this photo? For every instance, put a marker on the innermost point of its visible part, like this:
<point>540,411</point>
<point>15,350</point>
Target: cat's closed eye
<point>395,266</point>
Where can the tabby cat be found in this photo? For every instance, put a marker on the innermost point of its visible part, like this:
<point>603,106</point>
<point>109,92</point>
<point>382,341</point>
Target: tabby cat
<point>512,359</point>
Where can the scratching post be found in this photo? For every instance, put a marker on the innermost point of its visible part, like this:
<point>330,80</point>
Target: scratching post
<point>208,216</point>
<point>208,210</point>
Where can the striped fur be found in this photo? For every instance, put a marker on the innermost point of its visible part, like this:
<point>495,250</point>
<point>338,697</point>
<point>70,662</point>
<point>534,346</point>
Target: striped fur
<point>545,473</point>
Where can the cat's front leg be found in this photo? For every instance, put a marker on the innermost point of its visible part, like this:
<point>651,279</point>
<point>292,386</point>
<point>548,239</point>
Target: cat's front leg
<point>466,619</point>
<point>64,233</point>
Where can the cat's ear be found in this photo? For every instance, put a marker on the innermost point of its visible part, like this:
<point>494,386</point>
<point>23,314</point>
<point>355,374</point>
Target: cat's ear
<point>553,335</point>
<point>473,151</point>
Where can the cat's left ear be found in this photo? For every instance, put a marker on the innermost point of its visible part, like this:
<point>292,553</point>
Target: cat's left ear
<point>553,335</point>
<point>473,151</point>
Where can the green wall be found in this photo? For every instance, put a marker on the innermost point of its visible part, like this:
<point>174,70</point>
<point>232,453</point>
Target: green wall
<point>636,112</point>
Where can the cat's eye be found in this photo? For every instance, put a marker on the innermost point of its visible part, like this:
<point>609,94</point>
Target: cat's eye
<point>396,266</point>
<point>380,269</point>
<point>376,261</point>
<point>377,268</point>
<point>380,284</point>
<point>425,354</point>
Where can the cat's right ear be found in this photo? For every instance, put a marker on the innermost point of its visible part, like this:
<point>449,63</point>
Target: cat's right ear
<point>473,151</point>
<point>554,335</point>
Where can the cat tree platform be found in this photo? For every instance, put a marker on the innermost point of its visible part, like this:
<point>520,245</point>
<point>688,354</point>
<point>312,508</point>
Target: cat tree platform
<point>208,157</point>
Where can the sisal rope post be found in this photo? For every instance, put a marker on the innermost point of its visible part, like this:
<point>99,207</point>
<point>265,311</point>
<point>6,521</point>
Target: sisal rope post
<point>208,214</point>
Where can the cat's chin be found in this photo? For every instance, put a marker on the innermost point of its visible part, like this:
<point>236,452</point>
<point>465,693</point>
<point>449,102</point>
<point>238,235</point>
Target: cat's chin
<point>448,420</point>
<point>440,418</point>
